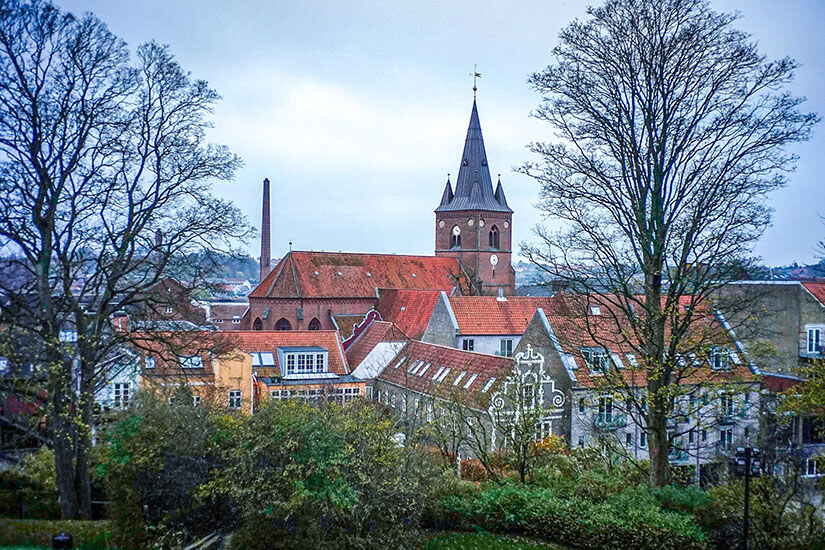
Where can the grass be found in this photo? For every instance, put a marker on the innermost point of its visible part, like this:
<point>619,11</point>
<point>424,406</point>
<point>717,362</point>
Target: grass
<point>483,541</point>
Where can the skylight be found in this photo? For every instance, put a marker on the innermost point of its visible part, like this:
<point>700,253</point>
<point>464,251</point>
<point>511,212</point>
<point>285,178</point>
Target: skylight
<point>595,310</point>
<point>415,366</point>
<point>262,359</point>
<point>459,377</point>
<point>444,375</point>
<point>438,372</point>
<point>488,385</point>
<point>470,381</point>
<point>632,360</point>
<point>425,369</point>
<point>400,362</point>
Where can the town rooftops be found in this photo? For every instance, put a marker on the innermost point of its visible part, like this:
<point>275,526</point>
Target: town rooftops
<point>817,288</point>
<point>489,315</point>
<point>375,333</point>
<point>438,370</point>
<point>351,275</point>
<point>410,310</point>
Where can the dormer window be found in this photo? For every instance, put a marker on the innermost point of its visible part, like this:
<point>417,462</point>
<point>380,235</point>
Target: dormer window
<point>719,357</point>
<point>190,362</point>
<point>595,310</point>
<point>300,362</point>
<point>596,358</point>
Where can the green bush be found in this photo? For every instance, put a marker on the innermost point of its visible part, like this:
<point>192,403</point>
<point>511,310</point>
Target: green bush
<point>30,488</point>
<point>26,532</point>
<point>632,518</point>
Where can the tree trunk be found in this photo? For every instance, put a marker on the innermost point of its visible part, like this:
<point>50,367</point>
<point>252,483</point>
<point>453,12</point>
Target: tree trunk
<point>659,446</point>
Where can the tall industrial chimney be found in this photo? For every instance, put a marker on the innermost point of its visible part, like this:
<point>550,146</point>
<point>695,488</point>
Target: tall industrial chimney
<point>265,233</point>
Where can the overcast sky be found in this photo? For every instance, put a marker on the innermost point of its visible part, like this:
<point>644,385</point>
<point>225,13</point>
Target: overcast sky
<point>357,111</point>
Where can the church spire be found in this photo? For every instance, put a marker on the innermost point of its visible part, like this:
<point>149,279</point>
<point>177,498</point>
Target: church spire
<point>474,186</point>
<point>448,193</point>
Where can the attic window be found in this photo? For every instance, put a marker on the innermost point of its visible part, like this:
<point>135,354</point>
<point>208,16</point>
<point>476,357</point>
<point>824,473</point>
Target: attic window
<point>438,372</point>
<point>403,308</point>
<point>415,366</point>
<point>317,273</point>
<point>369,274</point>
<point>190,362</point>
<point>595,310</point>
<point>413,274</point>
<point>340,274</point>
<point>262,359</point>
<point>488,385</point>
<point>400,362</point>
<point>425,369</point>
<point>443,375</point>
<point>459,377</point>
<point>470,381</point>
<point>632,360</point>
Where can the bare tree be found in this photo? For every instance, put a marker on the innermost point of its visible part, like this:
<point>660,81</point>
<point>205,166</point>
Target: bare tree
<point>97,154</point>
<point>672,130</point>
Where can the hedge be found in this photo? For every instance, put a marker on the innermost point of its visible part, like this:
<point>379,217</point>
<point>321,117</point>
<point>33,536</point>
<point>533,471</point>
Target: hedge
<point>631,519</point>
<point>32,532</point>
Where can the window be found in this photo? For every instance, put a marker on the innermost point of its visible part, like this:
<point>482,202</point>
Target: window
<point>747,432</point>
<point>506,347</point>
<point>170,309</point>
<point>315,324</point>
<point>812,467</point>
<point>468,344</point>
<point>814,339</point>
<point>581,405</point>
<point>690,436</point>
<point>400,362</point>
<point>392,401</point>
<point>443,375</point>
<point>425,369</point>
<point>605,409</point>
<point>632,360</point>
<point>150,362</point>
<point>190,362</point>
<point>628,439</point>
<point>258,324</point>
<point>438,372</point>
<point>219,321</point>
<point>455,238</point>
<point>305,362</point>
<point>458,378</point>
<point>283,324</point>
<point>196,400</point>
<point>581,442</point>
<point>704,436</point>
<point>262,359</point>
<point>236,320</point>
<point>719,358</point>
<point>726,404</point>
<point>595,310</point>
<point>528,396</point>
<point>235,399</point>
<point>544,429</point>
<point>121,395</point>
<point>642,439</point>
<point>726,438</point>
<point>494,240</point>
<point>596,358</point>
<point>488,385</point>
<point>470,381</point>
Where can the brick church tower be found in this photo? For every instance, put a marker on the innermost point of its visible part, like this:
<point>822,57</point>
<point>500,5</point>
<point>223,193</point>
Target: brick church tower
<point>474,224</point>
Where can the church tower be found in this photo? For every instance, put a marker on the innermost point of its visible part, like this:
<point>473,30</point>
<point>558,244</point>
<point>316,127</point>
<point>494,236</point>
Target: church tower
<point>474,224</point>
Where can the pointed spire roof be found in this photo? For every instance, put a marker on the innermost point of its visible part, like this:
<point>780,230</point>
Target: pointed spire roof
<point>474,187</point>
<point>500,198</point>
<point>448,193</point>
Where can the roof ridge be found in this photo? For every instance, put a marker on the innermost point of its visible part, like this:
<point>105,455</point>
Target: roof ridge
<point>459,350</point>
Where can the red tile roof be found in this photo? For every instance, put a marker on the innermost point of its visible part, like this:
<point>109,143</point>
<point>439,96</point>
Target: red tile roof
<point>817,288</point>
<point>249,341</point>
<point>410,310</point>
<point>484,366</point>
<point>376,332</point>
<point>479,315</point>
<point>610,333</point>
<point>350,275</point>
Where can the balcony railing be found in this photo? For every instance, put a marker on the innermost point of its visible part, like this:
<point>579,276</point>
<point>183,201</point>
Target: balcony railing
<point>610,421</point>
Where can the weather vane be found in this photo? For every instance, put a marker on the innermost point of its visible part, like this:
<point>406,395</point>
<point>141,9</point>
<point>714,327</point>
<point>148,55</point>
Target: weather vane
<point>476,75</point>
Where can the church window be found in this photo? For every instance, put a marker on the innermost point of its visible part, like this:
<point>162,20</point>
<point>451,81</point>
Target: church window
<point>494,240</point>
<point>258,324</point>
<point>283,324</point>
<point>315,324</point>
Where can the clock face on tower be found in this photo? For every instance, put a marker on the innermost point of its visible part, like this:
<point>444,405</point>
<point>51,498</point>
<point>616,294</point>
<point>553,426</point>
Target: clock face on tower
<point>494,259</point>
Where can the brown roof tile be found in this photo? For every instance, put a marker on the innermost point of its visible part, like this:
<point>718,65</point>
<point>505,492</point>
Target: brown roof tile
<point>376,332</point>
<point>410,310</point>
<point>250,341</point>
<point>478,315</point>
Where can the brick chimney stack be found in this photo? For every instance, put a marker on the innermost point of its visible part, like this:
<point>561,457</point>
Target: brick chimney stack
<point>265,233</point>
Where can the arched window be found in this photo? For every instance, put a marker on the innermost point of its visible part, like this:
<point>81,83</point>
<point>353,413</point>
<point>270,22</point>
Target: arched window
<point>494,242</point>
<point>455,237</point>
<point>258,324</point>
<point>283,324</point>
<point>315,324</point>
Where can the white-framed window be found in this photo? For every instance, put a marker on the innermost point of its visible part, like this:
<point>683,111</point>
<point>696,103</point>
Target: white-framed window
<point>595,310</point>
<point>814,339</point>
<point>506,347</point>
<point>528,396</point>
<point>813,468</point>
<point>643,439</point>
<point>443,375</point>
<point>605,409</point>
<point>305,362</point>
<point>196,400</point>
<point>236,320</point>
<point>392,401</point>
<point>468,344</point>
<point>726,438</point>
<point>400,362</point>
<point>581,404</point>
<point>544,429</point>
<point>190,362</point>
<point>424,369</point>
<point>219,321</point>
<point>470,381</point>
<point>597,359</point>
<point>458,378</point>
<point>170,309</point>
<point>726,404</point>
<point>149,362</point>
<point>488,385</point>
<point>719,356</point>
<point>628,439</point>
<point>234,399</point>
<point>121,394</point>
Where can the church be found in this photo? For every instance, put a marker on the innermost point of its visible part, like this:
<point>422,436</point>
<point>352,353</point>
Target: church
<point>310,290</point>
